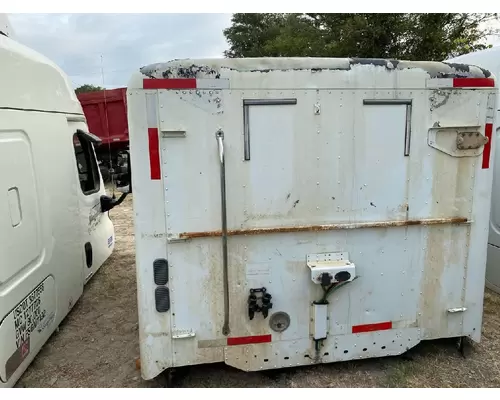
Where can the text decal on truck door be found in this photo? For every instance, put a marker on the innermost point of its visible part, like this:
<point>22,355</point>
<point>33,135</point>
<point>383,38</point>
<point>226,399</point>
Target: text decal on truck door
<point>28,314</point>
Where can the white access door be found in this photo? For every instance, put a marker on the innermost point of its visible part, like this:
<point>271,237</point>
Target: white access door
<point>19,215</point>
<point>305,159</point>
<point>40,257</point>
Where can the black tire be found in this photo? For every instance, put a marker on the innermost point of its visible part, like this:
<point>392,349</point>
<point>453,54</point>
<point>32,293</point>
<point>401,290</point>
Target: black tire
<point>167,378</point>
<point>173,377</point>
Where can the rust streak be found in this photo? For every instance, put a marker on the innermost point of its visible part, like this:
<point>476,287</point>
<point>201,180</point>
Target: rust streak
<point>327,227</point>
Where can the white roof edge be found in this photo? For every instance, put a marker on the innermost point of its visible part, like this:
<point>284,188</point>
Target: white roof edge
<point>52,83</point>
<point>488,59</point>
<point>213,67</point>
<point>256,64</point>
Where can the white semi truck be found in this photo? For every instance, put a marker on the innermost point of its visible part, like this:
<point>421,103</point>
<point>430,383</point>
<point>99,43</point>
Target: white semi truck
<point>55,232</point>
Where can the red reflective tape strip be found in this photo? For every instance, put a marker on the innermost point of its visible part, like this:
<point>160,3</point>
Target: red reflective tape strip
<point>473,82</point>
<point>488,131</point>
<point>154,153</point>
<point>235,341</point>
<point>174,83</point>
<point>380,326</point>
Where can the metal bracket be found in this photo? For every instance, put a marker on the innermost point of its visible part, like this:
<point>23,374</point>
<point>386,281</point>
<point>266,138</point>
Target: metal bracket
<point>457,310</point>
<point>457,141</point>
<point>317,109</point>
<point>173,134</point>
<point>470,140</point>
<point>332,264</point>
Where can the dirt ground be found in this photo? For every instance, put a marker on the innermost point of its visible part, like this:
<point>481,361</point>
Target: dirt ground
<point>97,345</point>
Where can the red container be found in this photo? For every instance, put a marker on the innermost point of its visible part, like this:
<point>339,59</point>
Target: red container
<point>106,114</point>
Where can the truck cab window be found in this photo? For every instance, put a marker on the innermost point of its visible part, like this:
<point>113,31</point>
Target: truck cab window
<point>86,163</point>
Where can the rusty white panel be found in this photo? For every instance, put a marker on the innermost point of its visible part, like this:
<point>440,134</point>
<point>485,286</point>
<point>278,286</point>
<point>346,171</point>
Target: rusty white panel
<point>493,255</point>
<point>190,171</point>
<point>338,164</point>
<point>206,99</point>
<point>195,282</point>
<point>489,59</point>
<point>379,166</point>
<point>272,158</point>
<point>309,168</point>
<point>373,344</point>
<point>445,250</point>
<point>359,77</point>
<point>389,263</point>
<point>151,243</point>
<point>478,235</point>
<point>257,357</point>
<point>446,104</point>
<point>353,173</point>
<point>442,185</point>
<point>338,348</point>
<point>190,165</point>
<point>268,189</point>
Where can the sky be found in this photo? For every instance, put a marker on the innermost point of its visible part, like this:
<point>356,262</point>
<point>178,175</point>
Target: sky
<point>121,43</point>
<point>126,42</point>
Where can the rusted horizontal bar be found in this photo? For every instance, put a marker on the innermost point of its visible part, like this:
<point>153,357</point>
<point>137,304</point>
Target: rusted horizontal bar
<point>326,227</point>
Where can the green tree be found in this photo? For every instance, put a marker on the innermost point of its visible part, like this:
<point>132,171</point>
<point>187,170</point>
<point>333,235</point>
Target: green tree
<point>401,36</point>
<point>88,88</point>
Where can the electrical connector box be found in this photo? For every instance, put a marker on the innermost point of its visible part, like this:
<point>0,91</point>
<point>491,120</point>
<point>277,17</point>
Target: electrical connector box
<point>336,265</point>
<point>320,321</point>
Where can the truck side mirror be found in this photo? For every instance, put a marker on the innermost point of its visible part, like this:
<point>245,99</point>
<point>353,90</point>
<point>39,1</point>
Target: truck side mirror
<point>124,181</point>
<point>123,185</point>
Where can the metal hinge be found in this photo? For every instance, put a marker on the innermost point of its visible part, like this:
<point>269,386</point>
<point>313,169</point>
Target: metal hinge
<point>457,310</point>
<point>183,334</point>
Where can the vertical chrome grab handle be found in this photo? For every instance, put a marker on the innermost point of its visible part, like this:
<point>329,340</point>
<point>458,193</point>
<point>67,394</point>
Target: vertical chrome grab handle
<point>219,135</point>
<point>220,142</point>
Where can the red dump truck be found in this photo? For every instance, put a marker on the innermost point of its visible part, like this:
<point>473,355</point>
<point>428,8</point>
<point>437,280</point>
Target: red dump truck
<point>106,114</point>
